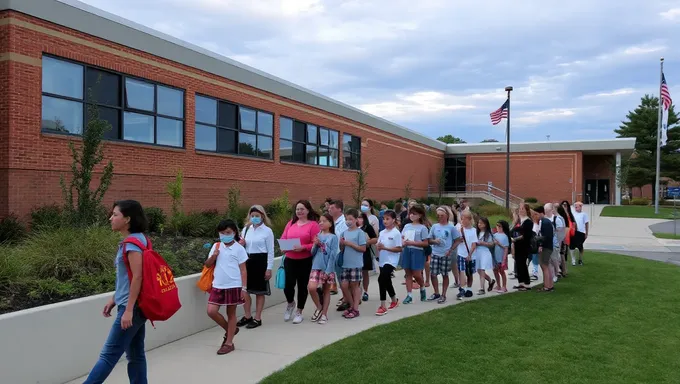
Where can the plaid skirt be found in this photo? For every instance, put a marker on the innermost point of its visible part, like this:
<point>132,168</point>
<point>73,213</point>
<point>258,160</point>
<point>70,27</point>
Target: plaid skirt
<point>229,296</point>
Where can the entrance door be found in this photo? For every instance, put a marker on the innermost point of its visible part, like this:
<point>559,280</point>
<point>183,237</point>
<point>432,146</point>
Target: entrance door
<point>590,195</point>
<point>602,196</point>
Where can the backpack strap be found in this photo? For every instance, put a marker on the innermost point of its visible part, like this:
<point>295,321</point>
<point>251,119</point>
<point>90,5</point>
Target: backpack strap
<point>134,241</point>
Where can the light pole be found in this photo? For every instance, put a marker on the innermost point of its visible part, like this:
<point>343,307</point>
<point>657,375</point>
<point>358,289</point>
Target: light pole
<point>507,154</point>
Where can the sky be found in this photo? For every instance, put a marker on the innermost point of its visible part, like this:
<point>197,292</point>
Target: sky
<point>440,66</point>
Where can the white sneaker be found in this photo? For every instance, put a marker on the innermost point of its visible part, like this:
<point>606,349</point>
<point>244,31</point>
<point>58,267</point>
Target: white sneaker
<point>298,318</point>
<point>289,312</point>
<point>573,263</point>
<point>323,320</point>
<point>554,279</point>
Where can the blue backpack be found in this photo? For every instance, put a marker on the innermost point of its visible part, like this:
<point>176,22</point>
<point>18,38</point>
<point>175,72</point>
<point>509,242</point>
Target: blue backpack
<point>281,275</point>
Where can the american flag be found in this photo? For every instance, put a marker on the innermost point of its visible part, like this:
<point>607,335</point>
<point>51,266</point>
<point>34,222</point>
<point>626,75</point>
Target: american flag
<point>500,113</point>
<point>665,95</point>
<point>666,102</point>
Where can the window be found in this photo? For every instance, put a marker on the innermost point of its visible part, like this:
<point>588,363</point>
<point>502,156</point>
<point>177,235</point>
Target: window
<point>229,128</point>
<point>351,152</point>
<point>135,110</point>
<point>307,143</point>
<point>455,173</point>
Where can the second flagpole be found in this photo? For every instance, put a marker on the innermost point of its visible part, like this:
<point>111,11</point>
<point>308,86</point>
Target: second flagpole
<point>658,148</point>
<point>507,154</point>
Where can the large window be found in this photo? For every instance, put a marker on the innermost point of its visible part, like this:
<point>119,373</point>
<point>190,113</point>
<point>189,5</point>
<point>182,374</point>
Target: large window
<point>229,128</point>
<point>455,173</point>
<point>351,152</point>
<point>307,143</point>
<point>137,110</point>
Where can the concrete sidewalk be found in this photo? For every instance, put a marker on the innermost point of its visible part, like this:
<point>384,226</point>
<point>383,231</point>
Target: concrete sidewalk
<point>262,351</point>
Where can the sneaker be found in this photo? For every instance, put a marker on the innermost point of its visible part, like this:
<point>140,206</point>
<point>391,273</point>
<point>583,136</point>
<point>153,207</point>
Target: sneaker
<point>468,294</point>
<point>442,300</point>
<point>289,312</point>
<point>364,297</point>
<point>460,296</point>
<point>555,279</point>
<point>254,324</point>
<point>342,307</point>
<point>393,305</point>
<point>423,294</point>
<point>408,300</point>
<point>323,320</point>
<point>298,318</point>
<point>316,316</point>
<point>382,311</point>
<point>244,321</point>
<point>573,263</point>
<point>434,297</point>
<point>580,262</point>
<point>224,349</point>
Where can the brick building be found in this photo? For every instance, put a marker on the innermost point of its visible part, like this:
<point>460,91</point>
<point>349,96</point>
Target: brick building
<point>172,105</point>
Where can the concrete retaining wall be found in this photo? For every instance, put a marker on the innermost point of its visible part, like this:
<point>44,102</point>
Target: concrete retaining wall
<point>61,342</point>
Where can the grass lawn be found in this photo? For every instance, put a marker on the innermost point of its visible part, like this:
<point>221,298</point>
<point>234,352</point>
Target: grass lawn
<point>637,211</point>
<point>614,320</point>
<point>669,236</point>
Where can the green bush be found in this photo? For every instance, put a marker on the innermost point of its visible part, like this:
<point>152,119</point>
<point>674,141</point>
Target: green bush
<point>530,200</point>
<point>12,230</point>
<point>194,225</point>
<point>279,224</point>
<point>625,201</point>
<point>47,217</point>
<point>280,207</point>
<point>490,209</point>
<point>640,201</point>
<point>156,218</point>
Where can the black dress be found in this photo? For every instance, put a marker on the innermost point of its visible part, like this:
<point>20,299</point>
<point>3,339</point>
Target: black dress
<point>368,259</point>
<point>522,246</point>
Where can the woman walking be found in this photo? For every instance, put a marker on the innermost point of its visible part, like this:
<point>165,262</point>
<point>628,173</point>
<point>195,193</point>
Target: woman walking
<point>522,247</point>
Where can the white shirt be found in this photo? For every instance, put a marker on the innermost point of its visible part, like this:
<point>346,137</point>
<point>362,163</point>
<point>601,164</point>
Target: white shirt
<point>227,266</point>
<point>581,219</point>
<point>390,238</point>
<point>471,238</point>
<point>374,222</point>
<point>340,228</point>
<point>260,239</point>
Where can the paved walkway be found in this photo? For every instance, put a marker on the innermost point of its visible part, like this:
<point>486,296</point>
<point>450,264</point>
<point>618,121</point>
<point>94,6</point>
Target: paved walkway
<point>273,346</point>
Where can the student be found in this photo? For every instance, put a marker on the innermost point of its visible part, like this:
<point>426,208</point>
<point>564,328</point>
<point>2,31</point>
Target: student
<point>368,208</point>
<point>389,248</point>
<point>415,239</point>
<point>371,240</point>
<point>353,246</point>
<point>466,264</point>
<point>501,240</point>
<point>482,253</point>
<point>230,282</point>
<point>324,252</point>
<point>258,240</point>
<point>128,330</point>
<point>381,216</point>
<point>456,222</point>
<point>444,238</point>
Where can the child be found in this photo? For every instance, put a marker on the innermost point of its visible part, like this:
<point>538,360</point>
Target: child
<point>229,284</point>
<point>502,244</point>
<point>453,211</point>
<point>415,239</point>
<point>324,251</point>
<point>371,239</point>
<point>353,246</point>
<point>466,264</point>
<point>389,246</point>
<point>444,237</point>
<point>482,253</point>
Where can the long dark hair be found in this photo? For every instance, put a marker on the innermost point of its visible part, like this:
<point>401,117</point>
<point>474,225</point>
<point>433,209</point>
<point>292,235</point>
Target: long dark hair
<point>506,228</point>
<point>311,214</point>
<point>371,206</point>
<point>563,213</point>
<point>418,209</point>
<point>328,217</point>
<point>364,218</point>
<point>133,210</point>
<point>571,215</point>
<point>487,231</point>
<point>229,224</point>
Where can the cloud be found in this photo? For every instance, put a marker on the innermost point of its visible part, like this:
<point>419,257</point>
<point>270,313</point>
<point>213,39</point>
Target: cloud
<point>613,93</point>
<point>671,14</point>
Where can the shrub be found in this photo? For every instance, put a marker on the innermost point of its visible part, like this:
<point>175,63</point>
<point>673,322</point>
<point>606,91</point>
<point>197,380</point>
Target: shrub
<point>279,224</point>
<point>194,225</point>
<point>280,206</point>
<point>47,217</point>
<point>625,201</point>
<point>156,218</point>
<point>639,201</point>
<point>12,230</point>
<point>530,200</point>
<point>490,209</point>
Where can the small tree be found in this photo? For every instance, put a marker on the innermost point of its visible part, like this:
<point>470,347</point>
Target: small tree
<point>360,185</point>
<point>441,183</point>
<point>81,204</point>
<point>450,139</point>
<point>175,190</point>
<point>408,188</point>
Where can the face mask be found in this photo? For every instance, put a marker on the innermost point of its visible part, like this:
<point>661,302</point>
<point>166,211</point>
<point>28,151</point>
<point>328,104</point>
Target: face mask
<point>364,208</point>
<point>255,220</point>
<point>226,238</point>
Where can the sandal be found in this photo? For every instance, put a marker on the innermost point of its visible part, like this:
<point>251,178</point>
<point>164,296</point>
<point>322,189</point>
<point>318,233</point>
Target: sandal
<point>442,300</point>
<point>316,315</point>
<point>491,284</point>
<point>524,289</point>
<point>481,292</point>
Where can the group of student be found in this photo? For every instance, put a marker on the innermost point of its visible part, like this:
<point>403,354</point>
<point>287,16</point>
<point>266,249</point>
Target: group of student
<point>339,247</point>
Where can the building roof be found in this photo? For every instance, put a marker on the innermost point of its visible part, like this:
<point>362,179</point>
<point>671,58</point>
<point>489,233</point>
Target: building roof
<point>608,146</point>
<point>93,21</point>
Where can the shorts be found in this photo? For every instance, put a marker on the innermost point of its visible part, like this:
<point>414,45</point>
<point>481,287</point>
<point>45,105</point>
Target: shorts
<point>320,277</point>
<point>229,296</point>
<point>440,265</point>
<point>545,256</point>
<point>413,259</point>
<point>577,241</point>
<point>469,267</point>
<point>556,256</point>
<point>351,275</point>
<point>256,266</point>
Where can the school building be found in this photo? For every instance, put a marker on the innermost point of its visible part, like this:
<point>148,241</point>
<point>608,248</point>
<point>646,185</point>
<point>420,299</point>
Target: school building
<point>172,105</point>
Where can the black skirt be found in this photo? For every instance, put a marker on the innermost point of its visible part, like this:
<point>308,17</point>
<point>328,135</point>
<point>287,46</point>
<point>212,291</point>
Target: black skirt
<point>256,267</point>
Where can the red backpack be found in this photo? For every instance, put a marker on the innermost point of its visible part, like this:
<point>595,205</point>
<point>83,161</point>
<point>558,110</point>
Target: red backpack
<point>159,298</point>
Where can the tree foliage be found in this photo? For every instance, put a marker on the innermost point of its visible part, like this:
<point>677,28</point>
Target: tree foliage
<point>450,139</point>
<point>489,141</point>
<point>360,185</point>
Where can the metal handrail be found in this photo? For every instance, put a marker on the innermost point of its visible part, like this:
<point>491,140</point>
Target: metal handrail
<point>488,190</point>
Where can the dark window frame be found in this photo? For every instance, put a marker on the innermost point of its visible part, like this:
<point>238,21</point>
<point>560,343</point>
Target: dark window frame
<point>356,152</point>
<point>237,129</point>
<point>453,165</point>
<point>121,108</point>
<point>316,143</point>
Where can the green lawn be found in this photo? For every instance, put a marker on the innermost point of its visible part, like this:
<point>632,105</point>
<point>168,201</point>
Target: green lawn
<point>614,320</point>
<point>669,236</point>
<point>637,211</point>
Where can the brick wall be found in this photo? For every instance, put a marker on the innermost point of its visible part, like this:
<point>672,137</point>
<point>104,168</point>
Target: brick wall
<point>36,160</point>
<point>543,175</point>
<point>4,117</point>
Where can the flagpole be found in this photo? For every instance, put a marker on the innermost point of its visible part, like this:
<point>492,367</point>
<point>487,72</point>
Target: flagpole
<point>658,147</point>
<point>507,154</point>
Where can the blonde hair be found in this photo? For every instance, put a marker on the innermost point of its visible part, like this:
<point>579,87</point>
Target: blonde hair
<point>259,209</point>
<point>468,213</point>
<point>449,213</point>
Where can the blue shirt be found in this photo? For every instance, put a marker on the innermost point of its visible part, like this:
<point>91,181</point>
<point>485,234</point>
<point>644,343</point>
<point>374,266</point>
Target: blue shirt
<point>325,253</point>
<point>351,257</point>
<point>420,233</point>
<point>499,250</point>
<point>122,280</point>
<point>447,234</point>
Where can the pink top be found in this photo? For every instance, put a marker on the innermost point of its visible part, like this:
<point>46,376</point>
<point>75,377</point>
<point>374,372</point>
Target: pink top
<point>305,233</point>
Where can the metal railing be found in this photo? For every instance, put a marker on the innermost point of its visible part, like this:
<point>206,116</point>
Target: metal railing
<point>487,192</point>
